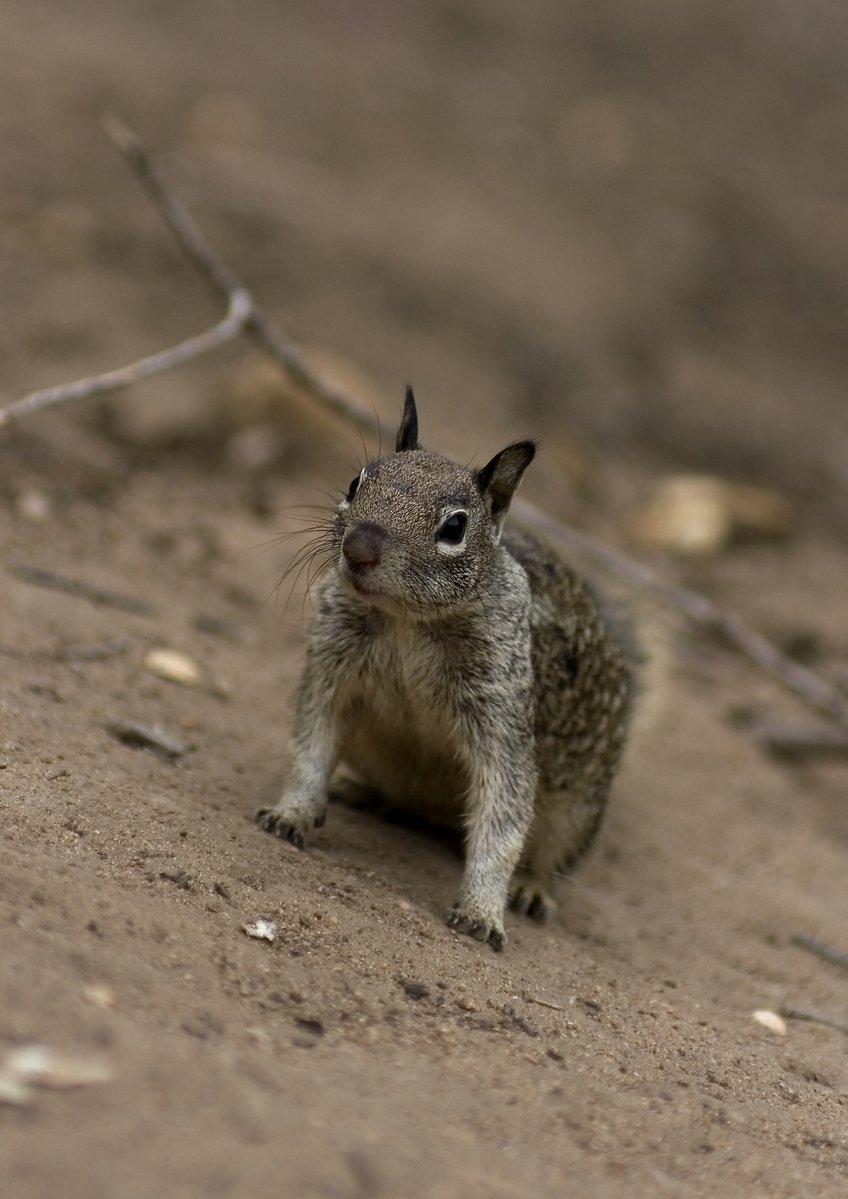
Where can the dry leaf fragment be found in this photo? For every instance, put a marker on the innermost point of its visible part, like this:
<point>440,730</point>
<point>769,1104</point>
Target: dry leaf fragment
<point>699,514</point>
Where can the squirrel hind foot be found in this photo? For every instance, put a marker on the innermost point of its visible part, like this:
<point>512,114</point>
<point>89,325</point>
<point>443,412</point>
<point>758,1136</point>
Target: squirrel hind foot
<point>530,898</point>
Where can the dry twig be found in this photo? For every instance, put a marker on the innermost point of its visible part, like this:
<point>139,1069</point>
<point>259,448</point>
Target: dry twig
<point>70,653</point>
<point>554,1007</point>
<point>198,251</point>
<point>825,952</point>
<point>804,683</point>
<point>95,595</point>
<point>238,313</point>
<point>793,1013</point>
<point>244,315</point>
<point>799,743</point>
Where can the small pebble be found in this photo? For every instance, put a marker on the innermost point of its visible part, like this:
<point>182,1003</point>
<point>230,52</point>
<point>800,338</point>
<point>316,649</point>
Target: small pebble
<point>770,1020</point>
<point>142,736</point>
<point>99,995</point>
<point>170,664</point>
<point>33,505</point>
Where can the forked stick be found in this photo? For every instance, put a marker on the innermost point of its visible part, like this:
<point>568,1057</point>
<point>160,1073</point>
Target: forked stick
<point>244,316</point>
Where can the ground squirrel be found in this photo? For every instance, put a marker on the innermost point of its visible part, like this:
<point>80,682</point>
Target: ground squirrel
<point>463,670</point>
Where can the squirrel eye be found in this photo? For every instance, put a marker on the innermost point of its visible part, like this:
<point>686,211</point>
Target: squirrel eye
<point>453,529</point>
<point>354,487</point>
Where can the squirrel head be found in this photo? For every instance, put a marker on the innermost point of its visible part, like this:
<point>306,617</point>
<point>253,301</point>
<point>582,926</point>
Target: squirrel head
<point>416,532</point>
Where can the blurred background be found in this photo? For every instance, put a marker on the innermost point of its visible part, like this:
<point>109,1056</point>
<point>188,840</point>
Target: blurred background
<point>619,226</point>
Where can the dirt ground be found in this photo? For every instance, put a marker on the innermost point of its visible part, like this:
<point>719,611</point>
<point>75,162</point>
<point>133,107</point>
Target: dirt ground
<point>617,227</point>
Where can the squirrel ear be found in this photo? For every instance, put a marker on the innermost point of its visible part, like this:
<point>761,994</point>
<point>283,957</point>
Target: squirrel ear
<point>407,437</point>
<point>499,478</point>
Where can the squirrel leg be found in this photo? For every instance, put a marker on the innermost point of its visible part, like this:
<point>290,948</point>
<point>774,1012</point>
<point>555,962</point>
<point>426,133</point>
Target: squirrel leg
<point>313,754</point>
<point>500,809</point>
<point>564,827</point>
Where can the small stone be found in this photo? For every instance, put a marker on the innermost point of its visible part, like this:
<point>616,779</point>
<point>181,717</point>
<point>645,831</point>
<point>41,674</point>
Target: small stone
<point>99,995</point>
<point>172,665</point>
<point>33,505</point>
<point>416,990</point>
<point>770,1020</point>
<point>142,736</point>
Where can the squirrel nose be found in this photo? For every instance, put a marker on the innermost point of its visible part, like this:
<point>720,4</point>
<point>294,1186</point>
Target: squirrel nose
<point>363,544</point>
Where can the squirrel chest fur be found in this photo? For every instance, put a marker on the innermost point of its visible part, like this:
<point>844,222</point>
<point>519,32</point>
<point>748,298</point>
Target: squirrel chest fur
<point>463,671</point>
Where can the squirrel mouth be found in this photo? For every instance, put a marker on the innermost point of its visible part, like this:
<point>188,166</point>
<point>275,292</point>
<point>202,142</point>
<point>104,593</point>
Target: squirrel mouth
<point>362,582</point>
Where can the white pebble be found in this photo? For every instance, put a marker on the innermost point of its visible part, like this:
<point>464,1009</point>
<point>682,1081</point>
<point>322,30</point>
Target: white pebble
<point>171,665</point>
<point>770,1020</point>
<point>33,505</point>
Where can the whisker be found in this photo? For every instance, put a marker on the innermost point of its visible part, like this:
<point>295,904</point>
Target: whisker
<point>299,560</point>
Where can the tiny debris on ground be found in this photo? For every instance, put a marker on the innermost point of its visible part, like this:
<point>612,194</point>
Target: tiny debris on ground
<point>261,930</point>
<point>415,990</point>
<point>145,736</point>
<point>28,1066</point>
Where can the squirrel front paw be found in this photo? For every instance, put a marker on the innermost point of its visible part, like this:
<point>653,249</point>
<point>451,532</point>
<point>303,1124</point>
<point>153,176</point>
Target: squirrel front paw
<point>287,826</point>
<point>488,931</point>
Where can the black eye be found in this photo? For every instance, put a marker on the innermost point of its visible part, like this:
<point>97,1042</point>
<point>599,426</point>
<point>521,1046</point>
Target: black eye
<point>354,487</point>
<point>453,529</point>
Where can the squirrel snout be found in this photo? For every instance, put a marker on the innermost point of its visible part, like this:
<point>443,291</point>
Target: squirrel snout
<point>363,545</point>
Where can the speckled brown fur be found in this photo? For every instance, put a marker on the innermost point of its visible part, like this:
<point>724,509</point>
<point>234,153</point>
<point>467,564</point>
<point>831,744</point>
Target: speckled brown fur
<point>463,671</point>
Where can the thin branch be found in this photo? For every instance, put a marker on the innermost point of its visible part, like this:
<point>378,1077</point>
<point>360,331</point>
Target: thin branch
<point>555,1007</point>
<point>793,1013</point>
<point>70,653</point>
<point>796,743</point>
<point>804,683</point>
<point>227,329</point>
<point>826,952</point>
<point>95,595</point>
<point>245,316</point>
<point>200,254</point>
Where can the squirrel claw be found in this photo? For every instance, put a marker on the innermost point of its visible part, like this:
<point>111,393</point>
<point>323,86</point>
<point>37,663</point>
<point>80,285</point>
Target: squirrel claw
<point>478,929</point>
<point>273,822</point>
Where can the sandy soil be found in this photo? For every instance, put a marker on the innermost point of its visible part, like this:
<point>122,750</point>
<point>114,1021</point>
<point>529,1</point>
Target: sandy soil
<point>617,227</point>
